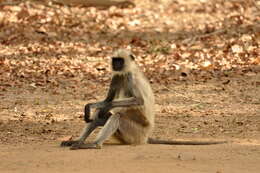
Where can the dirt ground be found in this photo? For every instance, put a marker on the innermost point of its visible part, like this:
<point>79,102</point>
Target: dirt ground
<point>202,58</point>
<point>35,120</point>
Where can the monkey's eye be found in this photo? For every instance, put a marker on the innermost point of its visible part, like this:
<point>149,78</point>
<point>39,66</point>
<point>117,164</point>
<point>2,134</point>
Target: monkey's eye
<point>132,57</point>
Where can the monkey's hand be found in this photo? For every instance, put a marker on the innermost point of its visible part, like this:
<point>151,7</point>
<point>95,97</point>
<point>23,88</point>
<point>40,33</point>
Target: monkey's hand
<point>87,114</point>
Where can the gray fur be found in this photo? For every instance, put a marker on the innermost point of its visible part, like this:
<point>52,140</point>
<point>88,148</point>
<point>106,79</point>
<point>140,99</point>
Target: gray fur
<point>127,113</point>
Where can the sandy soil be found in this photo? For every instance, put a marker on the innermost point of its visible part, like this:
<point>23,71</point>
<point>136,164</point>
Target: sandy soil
<point>33,121</point>
<point>48,157</point>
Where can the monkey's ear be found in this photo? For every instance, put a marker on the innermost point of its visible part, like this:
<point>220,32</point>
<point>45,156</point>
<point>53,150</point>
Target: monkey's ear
<point>132,57</point>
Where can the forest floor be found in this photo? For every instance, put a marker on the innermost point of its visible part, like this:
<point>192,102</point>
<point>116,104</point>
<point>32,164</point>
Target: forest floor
<point>202,58</point>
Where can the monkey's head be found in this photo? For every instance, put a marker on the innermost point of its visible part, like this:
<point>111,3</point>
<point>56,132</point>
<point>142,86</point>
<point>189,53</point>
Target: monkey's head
<point>122,61</point>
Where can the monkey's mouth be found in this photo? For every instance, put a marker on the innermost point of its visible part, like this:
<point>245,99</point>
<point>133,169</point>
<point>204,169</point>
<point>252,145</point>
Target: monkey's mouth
<point>118,63</point>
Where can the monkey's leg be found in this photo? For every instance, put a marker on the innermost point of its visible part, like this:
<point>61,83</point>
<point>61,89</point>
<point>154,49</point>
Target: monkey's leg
<point>89,128</point>
<point>108,130</point>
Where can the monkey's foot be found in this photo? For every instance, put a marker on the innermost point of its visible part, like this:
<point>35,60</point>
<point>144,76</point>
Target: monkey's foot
<point>77,146</point>
<point>69,143</point>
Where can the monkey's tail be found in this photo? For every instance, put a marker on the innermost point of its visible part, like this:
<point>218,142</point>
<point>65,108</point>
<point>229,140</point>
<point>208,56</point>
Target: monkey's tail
<point>158,141</point>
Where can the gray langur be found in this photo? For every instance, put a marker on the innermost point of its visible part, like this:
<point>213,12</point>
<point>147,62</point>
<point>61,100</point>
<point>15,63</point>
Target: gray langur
<point>127,112</point>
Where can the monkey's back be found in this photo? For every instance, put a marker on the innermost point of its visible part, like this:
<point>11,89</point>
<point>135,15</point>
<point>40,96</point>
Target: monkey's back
<point>144,87</point>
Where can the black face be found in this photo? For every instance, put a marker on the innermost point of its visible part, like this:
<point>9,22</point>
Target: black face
<point>118,63</point>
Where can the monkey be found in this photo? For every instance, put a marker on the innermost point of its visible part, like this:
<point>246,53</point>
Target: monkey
<point>127,112</point>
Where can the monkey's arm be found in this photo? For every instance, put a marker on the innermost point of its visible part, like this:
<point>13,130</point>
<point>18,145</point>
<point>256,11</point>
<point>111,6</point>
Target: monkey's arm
<point>99,105</point>
<point>105,106</point>
<point>134,98</point>
<point>132,101</point>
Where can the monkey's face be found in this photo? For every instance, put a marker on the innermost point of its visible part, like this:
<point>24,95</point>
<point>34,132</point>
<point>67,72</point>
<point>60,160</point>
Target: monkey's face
<point>118,63</point>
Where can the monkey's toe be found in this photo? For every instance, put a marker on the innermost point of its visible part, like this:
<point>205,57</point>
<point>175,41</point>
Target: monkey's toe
<point>85,146</point>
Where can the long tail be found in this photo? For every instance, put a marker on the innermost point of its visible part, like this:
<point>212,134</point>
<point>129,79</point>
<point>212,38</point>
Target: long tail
<point>158,141</point>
